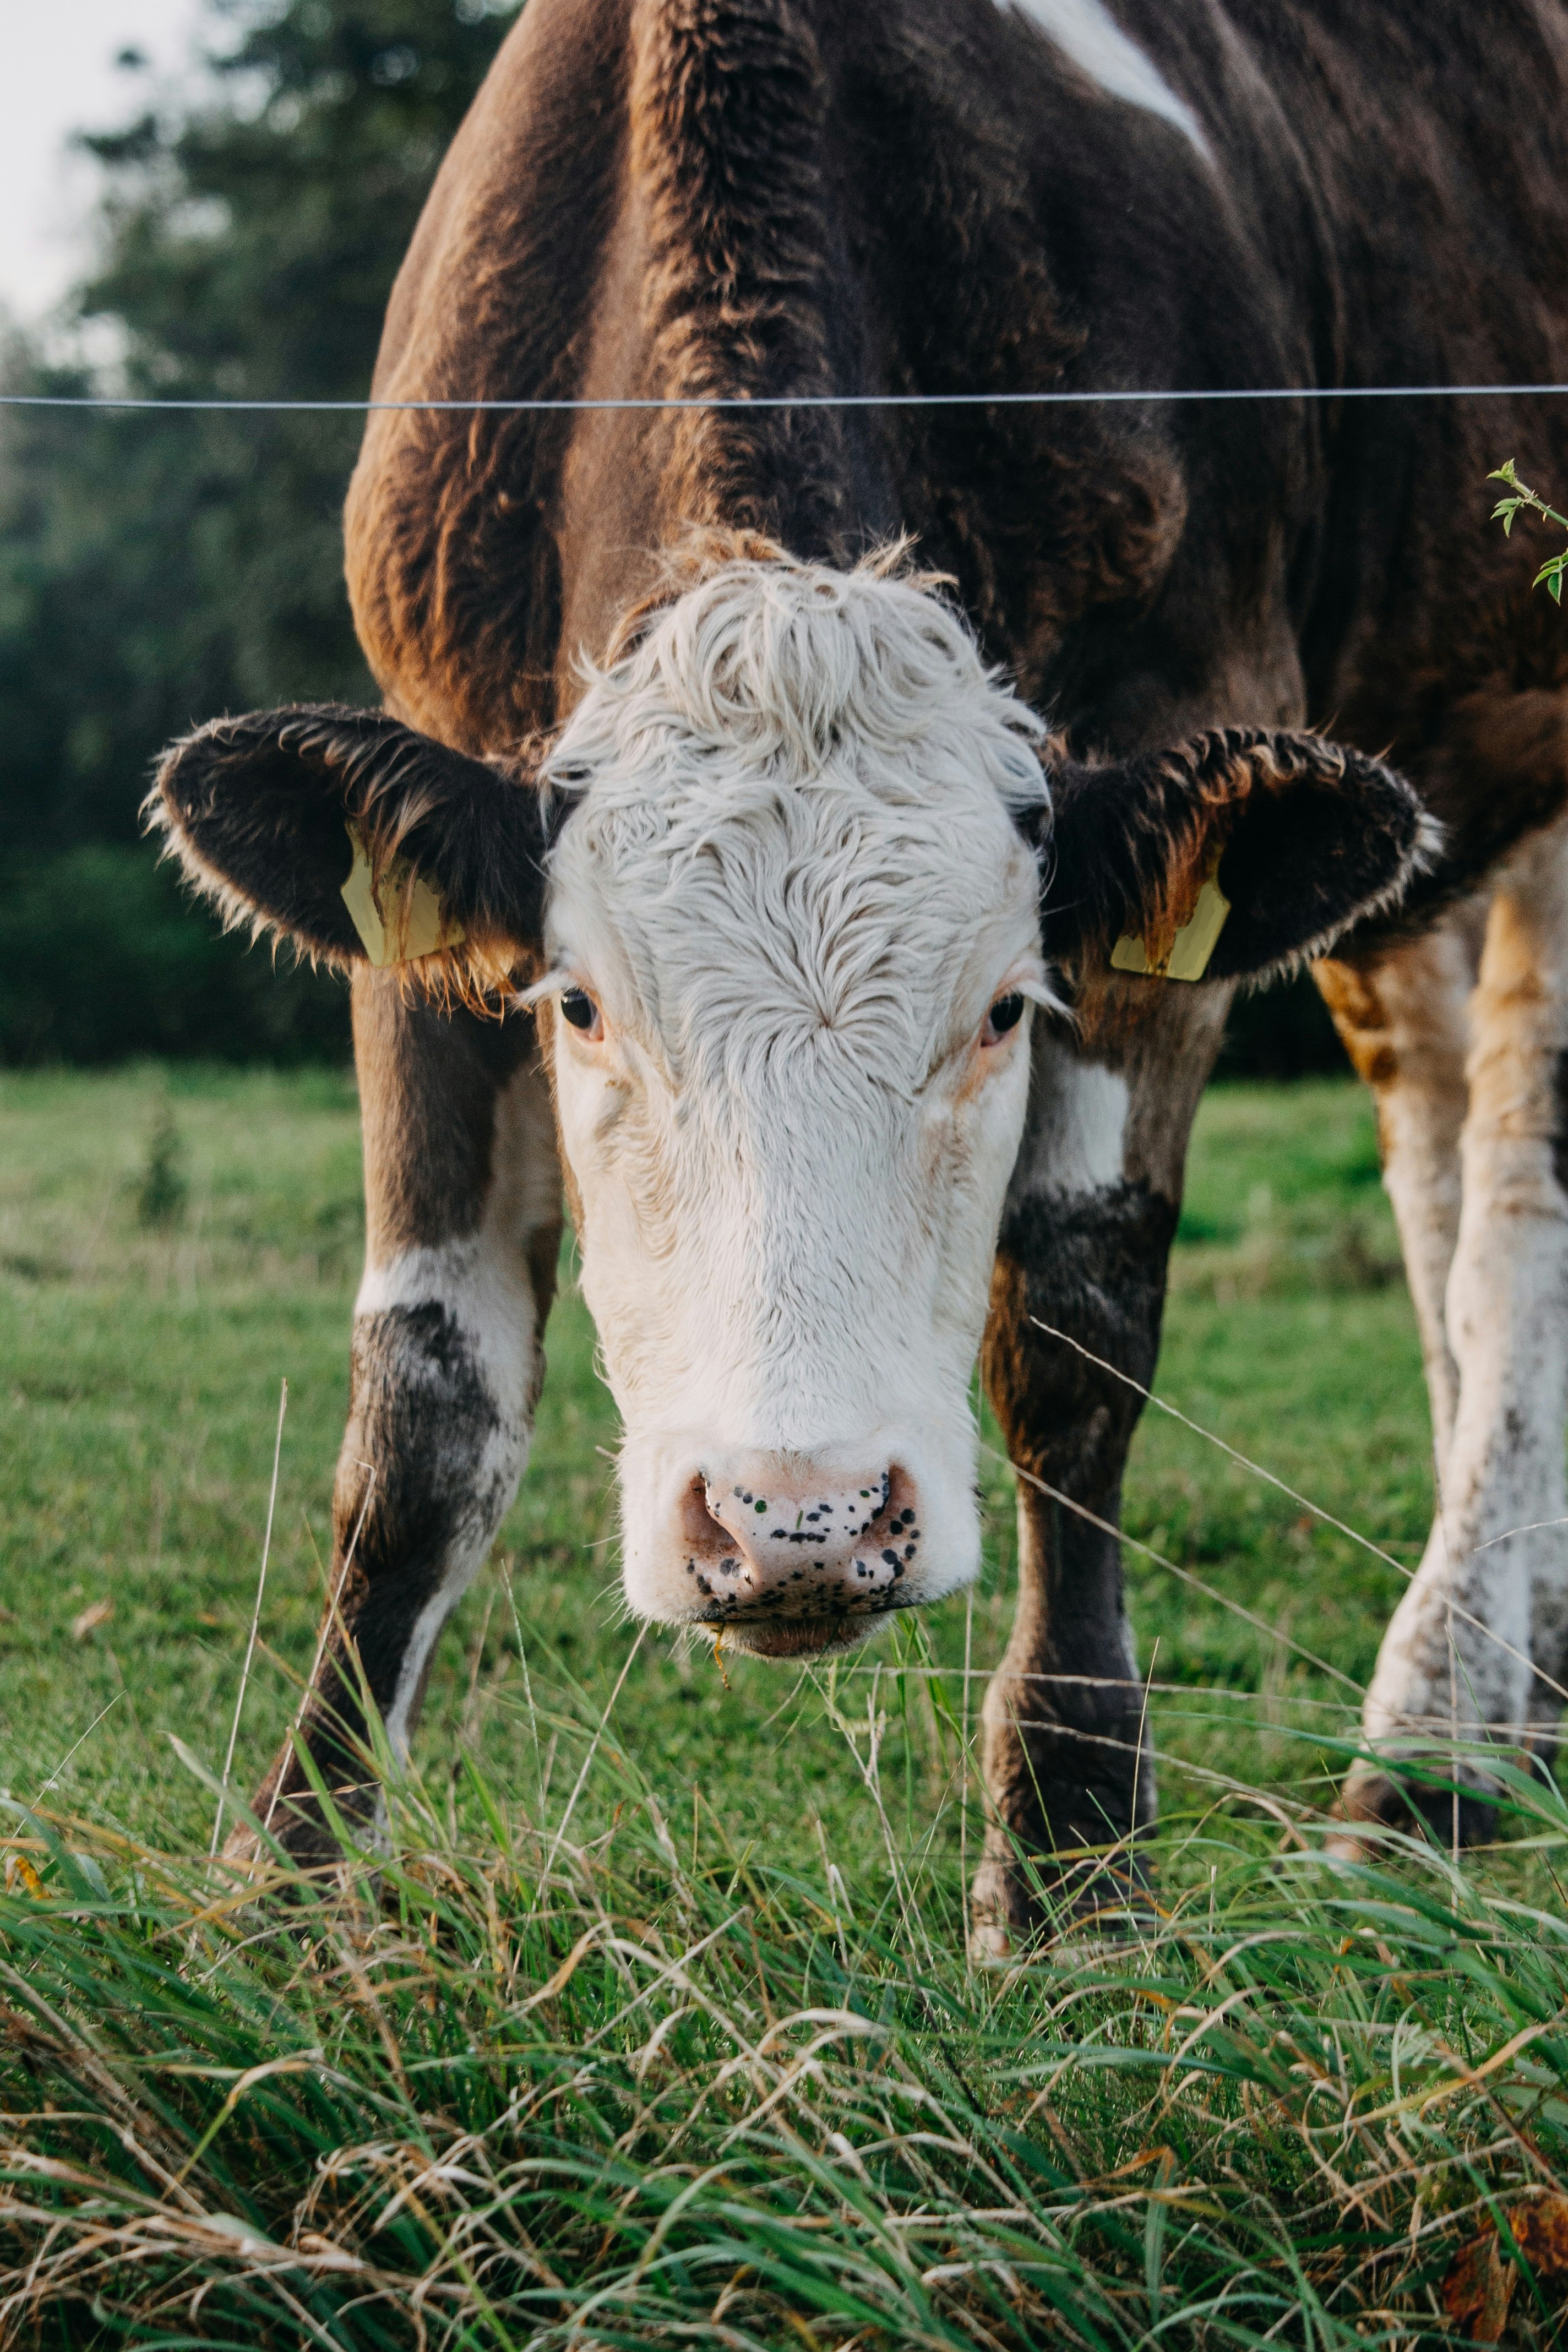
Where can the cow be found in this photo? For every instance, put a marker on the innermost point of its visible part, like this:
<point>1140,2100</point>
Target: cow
<point>826,796</point>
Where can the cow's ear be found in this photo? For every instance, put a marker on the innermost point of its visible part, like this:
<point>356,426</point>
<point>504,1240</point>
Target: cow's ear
<point>354,836</point>
<point>1233,855</point>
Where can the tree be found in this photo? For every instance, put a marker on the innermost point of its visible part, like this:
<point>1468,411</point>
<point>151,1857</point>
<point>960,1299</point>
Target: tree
<point>155,570</point>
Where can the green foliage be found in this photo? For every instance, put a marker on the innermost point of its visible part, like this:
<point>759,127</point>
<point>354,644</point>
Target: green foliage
<point>164,1189</point>
<point>101,957</point>
<point>156,570</point>
<point>141,1393</point>
<point>1506,511</point>
<point>254,242</point>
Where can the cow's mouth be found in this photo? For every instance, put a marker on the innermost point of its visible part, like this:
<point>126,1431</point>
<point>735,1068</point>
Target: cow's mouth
<point>817,1636</point>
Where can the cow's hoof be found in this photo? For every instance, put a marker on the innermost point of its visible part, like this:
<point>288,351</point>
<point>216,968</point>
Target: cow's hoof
<point>990,1941</point>
<point>1383,1800</point>
<point>1014,1905</point>
<point>1004,1912</point>
<point>297,1827</point>
<point>242,1849</point>
<point>306,1853</point>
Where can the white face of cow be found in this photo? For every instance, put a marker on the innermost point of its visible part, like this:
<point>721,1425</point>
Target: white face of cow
<point>792,931</point>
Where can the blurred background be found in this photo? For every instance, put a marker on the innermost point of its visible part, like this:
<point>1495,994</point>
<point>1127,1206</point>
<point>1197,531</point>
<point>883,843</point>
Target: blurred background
<point>200,198</point>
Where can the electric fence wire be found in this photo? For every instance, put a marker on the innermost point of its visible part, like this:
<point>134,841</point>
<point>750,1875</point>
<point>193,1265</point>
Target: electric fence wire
<point>1072,399</point>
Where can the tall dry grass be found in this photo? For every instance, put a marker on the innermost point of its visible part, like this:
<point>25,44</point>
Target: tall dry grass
<point>526,2075</point>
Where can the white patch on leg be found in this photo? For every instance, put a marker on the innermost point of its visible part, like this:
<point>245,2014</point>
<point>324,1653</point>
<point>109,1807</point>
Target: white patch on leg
<point>483,1285</point>
<point>463,1565</point>
<point>1077,1125</point>
<point>486,1293</point>
<point>1458,1648</point>
<point>1425,992</point>
<point>490,1302</point>
<point>1086,32</point>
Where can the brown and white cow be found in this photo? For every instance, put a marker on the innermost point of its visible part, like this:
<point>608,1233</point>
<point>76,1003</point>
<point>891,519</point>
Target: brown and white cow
<point>790,903</point>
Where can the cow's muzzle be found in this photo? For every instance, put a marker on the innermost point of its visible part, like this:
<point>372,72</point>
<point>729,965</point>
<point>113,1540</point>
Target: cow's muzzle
<point>786,1562</point>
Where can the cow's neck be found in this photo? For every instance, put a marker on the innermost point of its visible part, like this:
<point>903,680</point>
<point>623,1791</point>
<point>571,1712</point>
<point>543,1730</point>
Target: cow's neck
<point>726,279</point>
<point>730,202</point>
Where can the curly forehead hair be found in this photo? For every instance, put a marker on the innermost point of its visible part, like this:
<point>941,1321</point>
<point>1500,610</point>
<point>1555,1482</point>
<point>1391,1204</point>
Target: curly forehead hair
<point>746,655</point>
<point>794,794</point>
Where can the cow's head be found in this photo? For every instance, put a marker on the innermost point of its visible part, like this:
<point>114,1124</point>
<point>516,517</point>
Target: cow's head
<point>784,882</point>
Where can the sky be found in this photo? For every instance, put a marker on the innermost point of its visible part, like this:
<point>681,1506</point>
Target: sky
<point>60,77</point>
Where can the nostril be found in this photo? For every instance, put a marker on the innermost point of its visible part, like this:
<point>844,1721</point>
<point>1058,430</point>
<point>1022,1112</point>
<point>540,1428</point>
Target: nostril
<point>897,1506</point>
<point>699,1525</point>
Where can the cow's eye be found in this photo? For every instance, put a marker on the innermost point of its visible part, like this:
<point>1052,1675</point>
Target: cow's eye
<point>1005,1015</point>
<point>578,1007</point>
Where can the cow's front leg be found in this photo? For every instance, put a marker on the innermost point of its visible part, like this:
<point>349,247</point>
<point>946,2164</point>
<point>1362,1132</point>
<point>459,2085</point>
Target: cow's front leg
<point>1490,1602</point>
<point>463,1225</point>
<point>1083,1247</point>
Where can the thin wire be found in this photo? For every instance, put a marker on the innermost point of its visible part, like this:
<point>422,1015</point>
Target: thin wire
<point>1409,1574</point>
<point>802,399</point>
<point>1184,1575</point>
<point>254,1624</point>
<point>333,1600</point>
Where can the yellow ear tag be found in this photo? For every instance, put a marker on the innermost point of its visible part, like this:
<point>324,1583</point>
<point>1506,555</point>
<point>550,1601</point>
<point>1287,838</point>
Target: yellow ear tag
<point>410,921</point>
<point>1190,950</point>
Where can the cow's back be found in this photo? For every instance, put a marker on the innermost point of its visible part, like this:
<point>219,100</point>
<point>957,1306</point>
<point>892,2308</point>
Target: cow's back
<point>743,199</point>
<point>685,198</point>
<point>1435,135</point>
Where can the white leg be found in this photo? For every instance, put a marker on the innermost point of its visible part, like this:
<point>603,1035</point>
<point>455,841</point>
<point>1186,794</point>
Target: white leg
<point>1404,1021</point>
<point>1489,1596</point>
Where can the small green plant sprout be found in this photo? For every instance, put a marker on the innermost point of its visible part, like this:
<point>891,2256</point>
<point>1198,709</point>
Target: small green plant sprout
<point>1550,572</point>
<point>163,1187</point>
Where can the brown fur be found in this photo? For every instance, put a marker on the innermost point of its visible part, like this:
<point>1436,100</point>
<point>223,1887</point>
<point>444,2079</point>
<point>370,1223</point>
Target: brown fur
<point>654,198</point>
<point>1352,997</point>
<point>728,127</point>
<point>788,205</point>
<point>749,196</point>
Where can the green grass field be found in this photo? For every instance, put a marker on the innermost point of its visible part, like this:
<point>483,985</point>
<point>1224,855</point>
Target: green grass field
<point>486,2093</point>
<point>141,1366</point>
